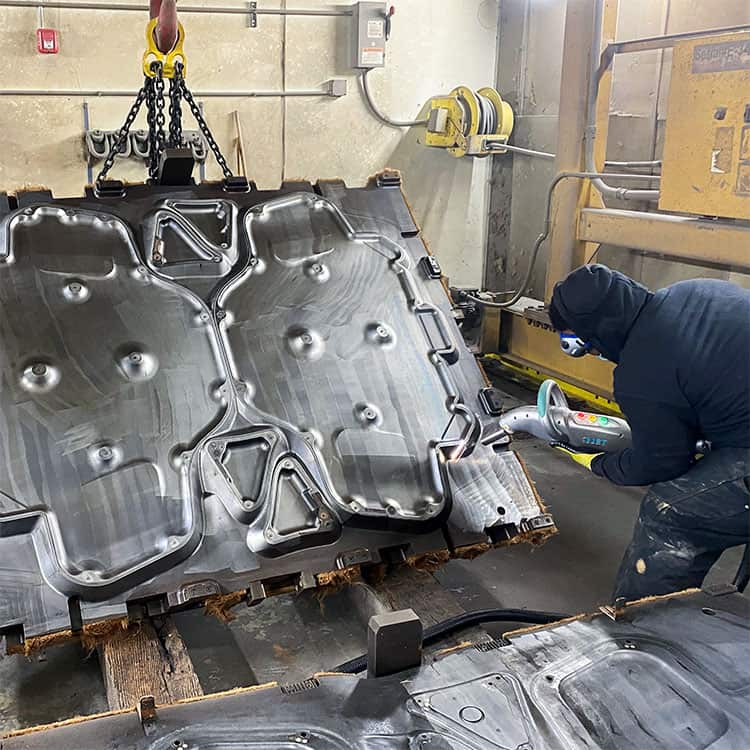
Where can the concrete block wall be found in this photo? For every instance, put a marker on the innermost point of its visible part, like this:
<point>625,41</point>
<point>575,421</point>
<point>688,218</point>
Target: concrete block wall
<point>436,45</point>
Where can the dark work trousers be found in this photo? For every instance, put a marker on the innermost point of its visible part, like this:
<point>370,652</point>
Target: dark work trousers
<point>685,524</point>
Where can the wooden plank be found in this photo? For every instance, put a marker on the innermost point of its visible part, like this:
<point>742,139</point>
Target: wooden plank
<point>408,588</point>
<point>142,661</point>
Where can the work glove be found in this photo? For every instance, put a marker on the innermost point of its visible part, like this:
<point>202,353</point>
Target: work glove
<point>584,459</point>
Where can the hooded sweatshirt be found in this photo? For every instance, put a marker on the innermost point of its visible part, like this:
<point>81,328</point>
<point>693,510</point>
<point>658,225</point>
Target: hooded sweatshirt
<point>683,365</point>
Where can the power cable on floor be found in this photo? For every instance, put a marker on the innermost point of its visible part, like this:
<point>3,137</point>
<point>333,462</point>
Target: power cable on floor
<point>445,629</point>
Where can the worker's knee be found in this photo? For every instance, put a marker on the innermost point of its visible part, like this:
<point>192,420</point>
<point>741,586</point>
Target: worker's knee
<point>659,564</point>
<point>657,507</point>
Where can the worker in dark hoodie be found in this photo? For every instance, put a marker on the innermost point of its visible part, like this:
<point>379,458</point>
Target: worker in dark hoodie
<point>682,376</point>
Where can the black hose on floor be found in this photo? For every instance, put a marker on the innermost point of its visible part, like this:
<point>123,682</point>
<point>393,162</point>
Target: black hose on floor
<point>445,629</point>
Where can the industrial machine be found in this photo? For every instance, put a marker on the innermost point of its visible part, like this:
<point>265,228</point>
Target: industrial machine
<point>703,191</point>
<point>706,168</point>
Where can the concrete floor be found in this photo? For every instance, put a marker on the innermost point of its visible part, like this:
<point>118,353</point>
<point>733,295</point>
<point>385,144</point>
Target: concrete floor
<point>289,638</point>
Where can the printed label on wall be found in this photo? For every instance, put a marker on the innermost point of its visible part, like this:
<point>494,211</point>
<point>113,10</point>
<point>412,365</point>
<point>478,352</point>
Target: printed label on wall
<point>373,56</point>
<point>376,29</point>
<point>722,57</point>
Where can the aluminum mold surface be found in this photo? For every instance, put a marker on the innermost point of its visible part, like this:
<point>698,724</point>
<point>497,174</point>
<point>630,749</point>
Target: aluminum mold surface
<point>670,674</point>
<point>202,390</point>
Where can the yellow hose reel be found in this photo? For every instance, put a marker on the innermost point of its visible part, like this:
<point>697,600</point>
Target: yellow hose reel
<point>469,123</point>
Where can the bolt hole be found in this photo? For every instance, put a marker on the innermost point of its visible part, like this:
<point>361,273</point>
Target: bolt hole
<point>500,510</point>
<point>549,678</point>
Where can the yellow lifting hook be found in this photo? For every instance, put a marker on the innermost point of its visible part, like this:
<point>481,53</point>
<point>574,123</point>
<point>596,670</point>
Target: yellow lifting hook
<point>168,60</point>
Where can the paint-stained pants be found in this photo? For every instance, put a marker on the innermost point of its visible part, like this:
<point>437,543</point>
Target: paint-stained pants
<point>685,524</point>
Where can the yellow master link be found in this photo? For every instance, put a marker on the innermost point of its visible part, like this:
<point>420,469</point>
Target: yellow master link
<point>168,60</point>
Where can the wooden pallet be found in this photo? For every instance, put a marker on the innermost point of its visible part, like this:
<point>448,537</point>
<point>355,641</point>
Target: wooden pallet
<point>152,660</point>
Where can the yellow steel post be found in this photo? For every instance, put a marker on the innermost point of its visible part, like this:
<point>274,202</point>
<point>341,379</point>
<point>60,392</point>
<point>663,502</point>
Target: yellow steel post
<point>574,85</point>
<point>591,198</point>
<point>565,251</point>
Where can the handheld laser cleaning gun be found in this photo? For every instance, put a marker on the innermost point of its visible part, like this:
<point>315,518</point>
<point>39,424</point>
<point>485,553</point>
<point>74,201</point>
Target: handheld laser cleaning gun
<point>552,419</point>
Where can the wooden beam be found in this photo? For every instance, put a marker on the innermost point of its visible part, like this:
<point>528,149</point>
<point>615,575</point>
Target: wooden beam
<point>142,661</point>
<point>407,588</point>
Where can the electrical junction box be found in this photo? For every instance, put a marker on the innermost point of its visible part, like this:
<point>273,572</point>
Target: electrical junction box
<point>369,35</point>
<point>706,161</point>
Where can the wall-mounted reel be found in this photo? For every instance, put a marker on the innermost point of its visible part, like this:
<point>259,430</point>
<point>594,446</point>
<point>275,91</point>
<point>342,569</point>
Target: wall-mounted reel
<point>470,123</point>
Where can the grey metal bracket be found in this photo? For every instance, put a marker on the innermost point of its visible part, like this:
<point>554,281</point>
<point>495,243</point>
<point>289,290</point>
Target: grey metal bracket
<point>394,643</point>
<point>147,714</point>
<point>99,142</point>
<point>615,610</point>
<point>252,18</point>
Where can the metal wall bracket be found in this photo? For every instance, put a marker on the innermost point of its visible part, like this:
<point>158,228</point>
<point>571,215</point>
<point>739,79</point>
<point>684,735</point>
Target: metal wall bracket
<point>99,142</point>
<point>252,18</point>
<point>147,714</point>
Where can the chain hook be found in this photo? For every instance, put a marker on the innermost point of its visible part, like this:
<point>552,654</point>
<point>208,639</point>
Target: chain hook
<point>169,60</point>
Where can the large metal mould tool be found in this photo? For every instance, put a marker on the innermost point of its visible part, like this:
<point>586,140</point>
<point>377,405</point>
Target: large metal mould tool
<point>206,392</point>
<point>670,672</point>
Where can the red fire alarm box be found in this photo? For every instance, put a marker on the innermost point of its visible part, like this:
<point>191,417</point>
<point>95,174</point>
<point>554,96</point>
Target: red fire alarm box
<point>46,41</point>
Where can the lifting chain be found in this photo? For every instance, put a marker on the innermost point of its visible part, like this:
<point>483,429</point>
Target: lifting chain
<point>123,132</point>
<point>152,92</point>
<point>175,112</point>
<point>156,120</point>
<point>202,124</point>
